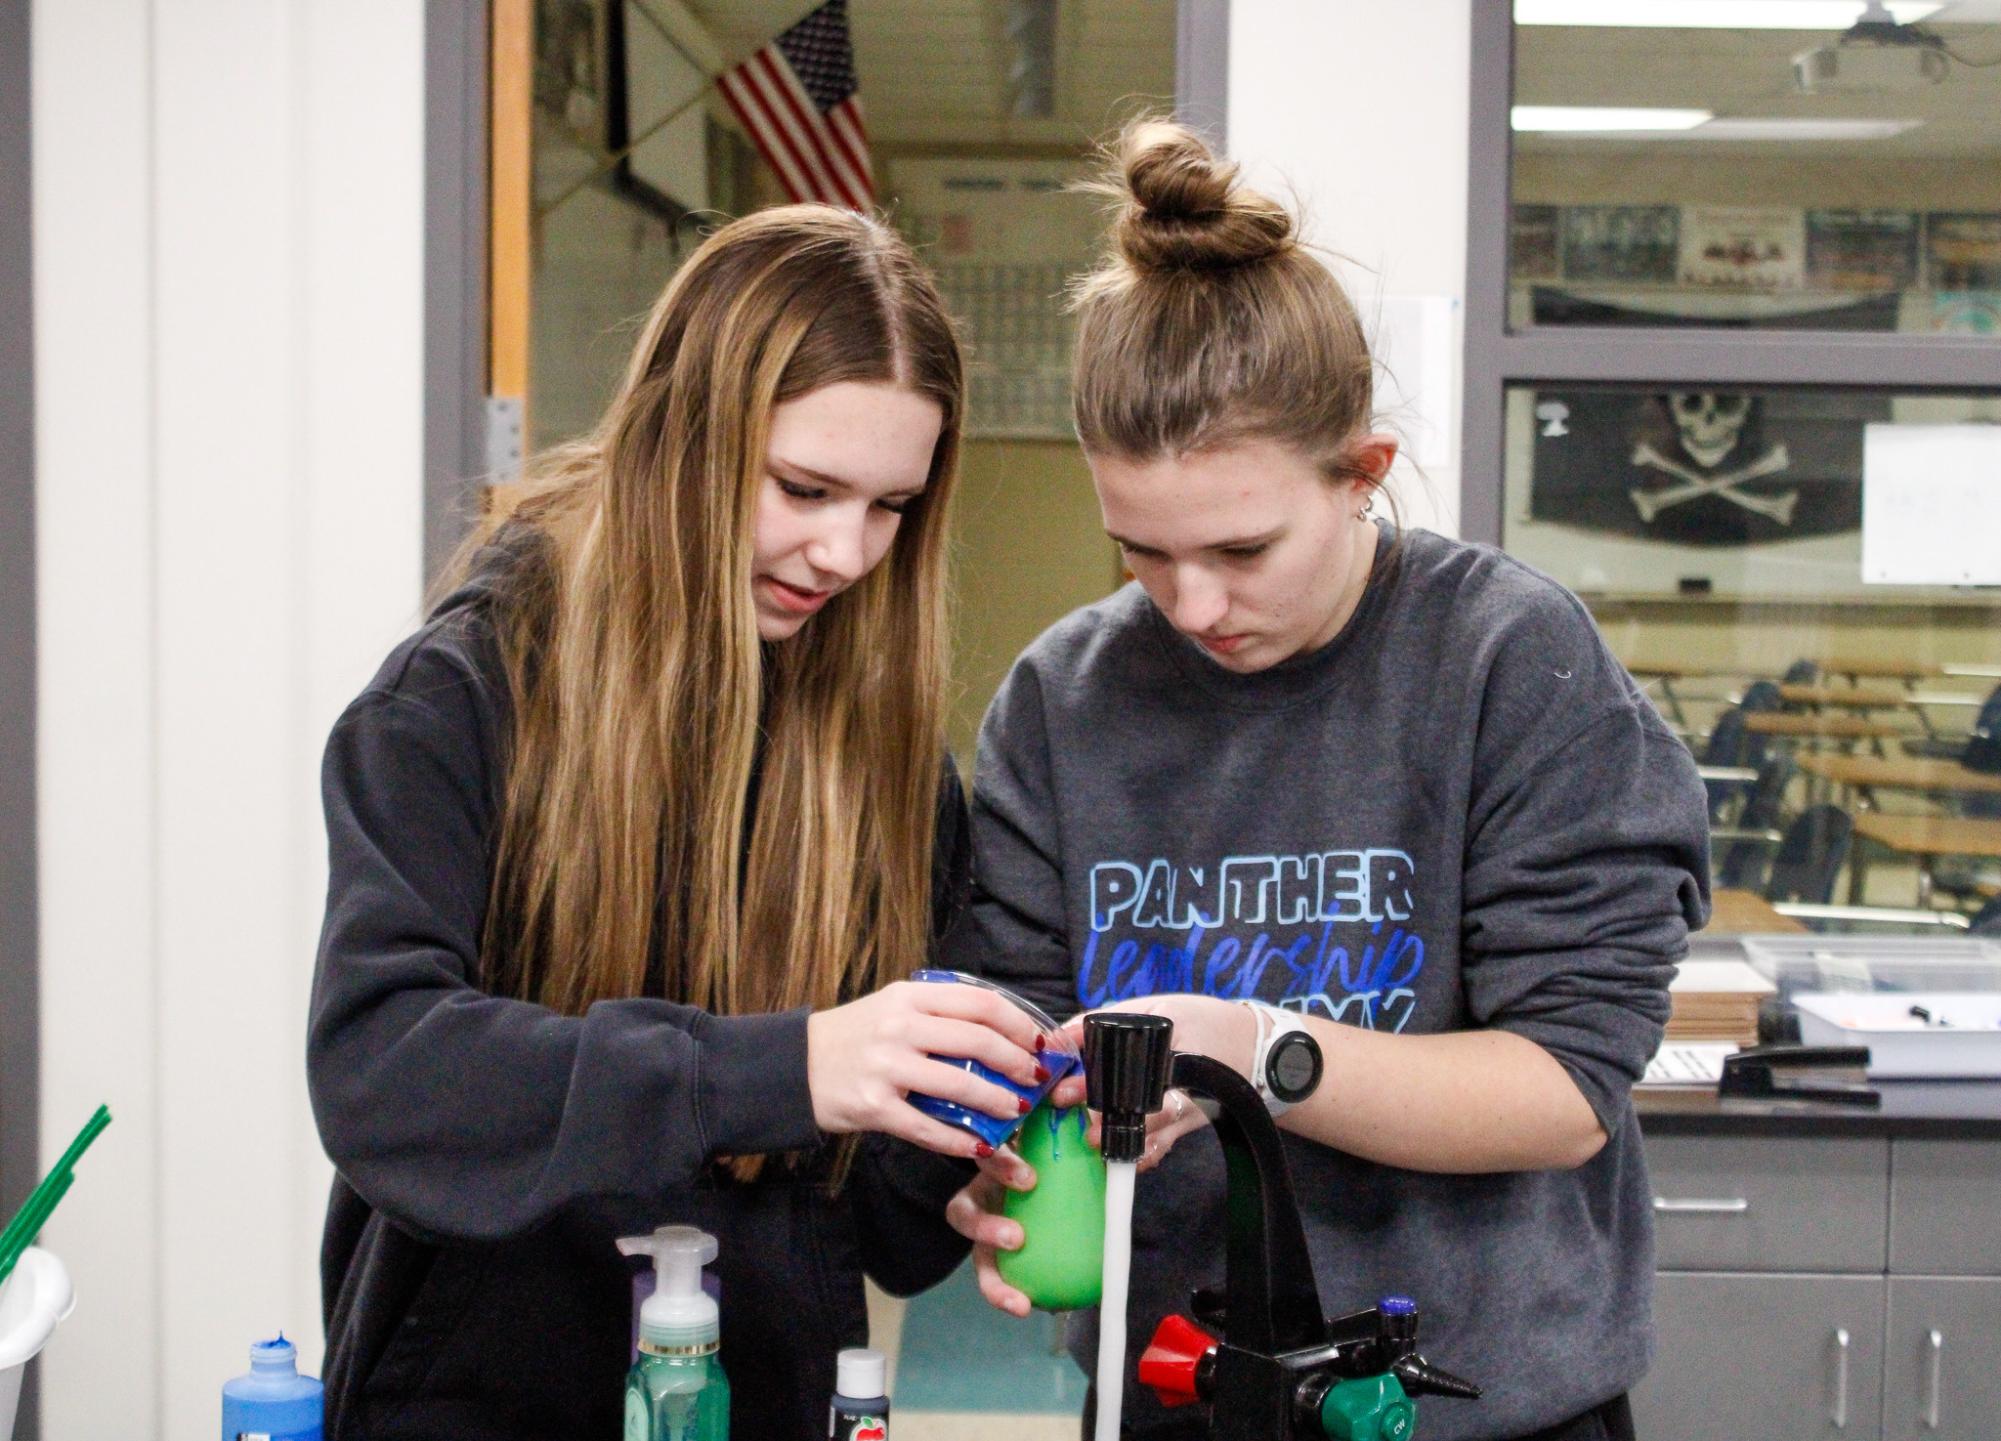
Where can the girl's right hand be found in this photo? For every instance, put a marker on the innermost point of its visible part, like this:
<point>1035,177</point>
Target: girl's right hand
<point>865,1058</point>
<point>975,1214</point>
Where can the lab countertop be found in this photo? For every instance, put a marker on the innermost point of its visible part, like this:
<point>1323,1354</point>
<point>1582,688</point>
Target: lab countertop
<point>1959,1110</point>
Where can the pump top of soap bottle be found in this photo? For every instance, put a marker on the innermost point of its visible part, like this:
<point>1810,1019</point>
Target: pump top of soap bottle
<point>679,1318</point>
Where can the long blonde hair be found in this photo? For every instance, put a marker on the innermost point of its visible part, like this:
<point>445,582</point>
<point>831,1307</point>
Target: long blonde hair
<point>1207,322</point>
<point>652,733</point>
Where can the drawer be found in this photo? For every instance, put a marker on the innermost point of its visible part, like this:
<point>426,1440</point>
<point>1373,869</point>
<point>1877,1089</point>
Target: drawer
<point>1746,1203</point>
<point>1945,1210</point>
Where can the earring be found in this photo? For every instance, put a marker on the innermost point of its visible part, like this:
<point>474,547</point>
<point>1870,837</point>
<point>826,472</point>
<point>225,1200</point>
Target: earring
<point>1368,508</point>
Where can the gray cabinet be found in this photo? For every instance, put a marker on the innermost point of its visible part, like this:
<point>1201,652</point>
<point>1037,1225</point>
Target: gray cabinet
<point>1775,1357</point>
<point>1838,1287</point>
<point>1942,1343</point>
<point>1942,1359</point>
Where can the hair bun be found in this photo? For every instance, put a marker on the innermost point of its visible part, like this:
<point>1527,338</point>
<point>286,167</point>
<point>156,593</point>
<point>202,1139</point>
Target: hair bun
<point>1185,209</point>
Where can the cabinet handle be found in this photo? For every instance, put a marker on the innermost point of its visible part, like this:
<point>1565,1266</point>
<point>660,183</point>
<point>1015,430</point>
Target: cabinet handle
<point>1934,1355</point>
<point>1668,1206</point>
<point>1840,1416</point>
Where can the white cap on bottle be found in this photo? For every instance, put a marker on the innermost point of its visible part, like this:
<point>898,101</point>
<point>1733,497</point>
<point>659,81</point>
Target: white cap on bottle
<point>859,1373</point>
<point>679,1312</point>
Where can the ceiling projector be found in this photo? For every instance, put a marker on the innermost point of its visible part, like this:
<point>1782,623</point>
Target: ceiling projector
<point>1875,56</point>
<point>1866,70</point>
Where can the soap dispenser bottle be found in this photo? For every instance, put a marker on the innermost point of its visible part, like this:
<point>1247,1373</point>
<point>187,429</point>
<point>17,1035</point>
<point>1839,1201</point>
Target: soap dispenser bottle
<point>676,1390</point>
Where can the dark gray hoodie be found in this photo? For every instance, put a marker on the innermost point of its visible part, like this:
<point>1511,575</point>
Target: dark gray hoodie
<point>1458,813</point>
<point>490,1153</point>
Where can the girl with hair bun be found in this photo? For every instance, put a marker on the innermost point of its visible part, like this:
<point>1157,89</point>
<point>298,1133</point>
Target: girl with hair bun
<point>1312,769</point>
<point>629,847</point>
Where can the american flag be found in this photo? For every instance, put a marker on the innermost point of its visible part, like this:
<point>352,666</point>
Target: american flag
<point>798,98</point>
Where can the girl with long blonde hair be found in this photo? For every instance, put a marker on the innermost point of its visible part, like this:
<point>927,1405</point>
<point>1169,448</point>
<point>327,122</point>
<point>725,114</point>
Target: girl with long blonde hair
<point>630,845</point>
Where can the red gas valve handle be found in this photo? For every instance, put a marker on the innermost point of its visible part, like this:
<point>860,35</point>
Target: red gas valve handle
<point>1170,1361</point>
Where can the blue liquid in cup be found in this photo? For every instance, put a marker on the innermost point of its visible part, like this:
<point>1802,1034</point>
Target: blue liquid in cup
<point>1059,1059</point>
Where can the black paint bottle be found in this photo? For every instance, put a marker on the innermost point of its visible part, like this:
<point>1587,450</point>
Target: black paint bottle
<point>860,1408</point>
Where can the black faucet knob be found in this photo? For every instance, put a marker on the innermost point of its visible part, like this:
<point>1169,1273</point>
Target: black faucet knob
<point>1127,1055</point>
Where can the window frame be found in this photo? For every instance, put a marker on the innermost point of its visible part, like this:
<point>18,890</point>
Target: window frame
<point>1497,358</point>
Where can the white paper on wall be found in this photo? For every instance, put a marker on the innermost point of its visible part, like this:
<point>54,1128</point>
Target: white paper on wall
<point>1931,504</point>
<point>1416,348</point>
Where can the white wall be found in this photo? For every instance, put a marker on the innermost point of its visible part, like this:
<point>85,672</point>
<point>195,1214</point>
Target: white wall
<point>228,266</point>
<point>1360,111</point>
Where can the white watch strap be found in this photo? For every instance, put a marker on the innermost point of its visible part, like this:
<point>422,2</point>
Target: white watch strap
<point>1270,1028</point>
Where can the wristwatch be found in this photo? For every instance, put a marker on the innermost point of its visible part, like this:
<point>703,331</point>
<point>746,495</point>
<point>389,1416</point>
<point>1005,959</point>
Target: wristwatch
<point>1287,1065</point>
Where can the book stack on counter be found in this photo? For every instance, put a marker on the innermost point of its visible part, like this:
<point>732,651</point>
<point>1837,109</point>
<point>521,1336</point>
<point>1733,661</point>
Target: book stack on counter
<point>1715,1000</point>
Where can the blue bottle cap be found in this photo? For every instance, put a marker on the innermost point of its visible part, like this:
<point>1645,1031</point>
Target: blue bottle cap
<point>1397,1306</point>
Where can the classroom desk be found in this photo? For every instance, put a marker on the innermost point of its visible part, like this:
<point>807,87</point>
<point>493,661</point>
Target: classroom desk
<point>1859,697</point>
<point>1746,912</point>
<point>1817,728</point>
<point>1924,839</point>
<point>1864,699</point>
<point>1969,699</point>
<point>1903,773</point>
<point>1832,727</point>
<point>1856,668</point>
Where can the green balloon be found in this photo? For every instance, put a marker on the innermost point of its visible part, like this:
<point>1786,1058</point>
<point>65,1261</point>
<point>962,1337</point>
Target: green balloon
<point>1061,1263</point>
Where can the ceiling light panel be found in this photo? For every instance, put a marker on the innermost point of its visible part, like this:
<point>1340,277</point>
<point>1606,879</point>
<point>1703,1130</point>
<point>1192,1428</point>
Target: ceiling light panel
<point>1712,14</point>
<point>1603,119</point>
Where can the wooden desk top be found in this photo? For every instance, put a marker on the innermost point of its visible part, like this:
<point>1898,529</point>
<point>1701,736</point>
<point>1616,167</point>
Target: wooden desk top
<point>1907,773</point>
<point>1834,727</point>
<point>1735,910</point>
<point>1878,669</point>
<point>1859,697</point>
<point>1932,835</point>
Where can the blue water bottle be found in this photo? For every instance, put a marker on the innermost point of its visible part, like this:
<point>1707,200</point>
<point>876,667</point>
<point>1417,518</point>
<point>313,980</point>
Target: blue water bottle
<point>273,1401</point>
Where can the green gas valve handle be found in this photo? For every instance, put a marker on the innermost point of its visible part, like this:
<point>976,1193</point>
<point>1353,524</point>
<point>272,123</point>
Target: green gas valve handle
<point>1368,1408</point>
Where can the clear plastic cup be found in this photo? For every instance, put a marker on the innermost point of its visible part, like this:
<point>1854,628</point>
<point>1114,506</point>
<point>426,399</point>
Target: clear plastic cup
<point>1059,1057</point>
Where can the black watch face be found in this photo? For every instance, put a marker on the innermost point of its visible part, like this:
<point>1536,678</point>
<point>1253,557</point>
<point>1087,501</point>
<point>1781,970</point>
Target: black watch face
<point>1292,1069</point>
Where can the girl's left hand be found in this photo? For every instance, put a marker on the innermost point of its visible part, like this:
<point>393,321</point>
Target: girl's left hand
<point>1222,1030</point>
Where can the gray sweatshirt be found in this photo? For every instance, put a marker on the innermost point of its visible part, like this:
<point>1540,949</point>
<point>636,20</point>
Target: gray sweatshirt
<point>1459,813</point>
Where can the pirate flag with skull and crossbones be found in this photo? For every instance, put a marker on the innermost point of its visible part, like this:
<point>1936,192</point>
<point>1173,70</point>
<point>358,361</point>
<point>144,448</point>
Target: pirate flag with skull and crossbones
<point>1699,467</point>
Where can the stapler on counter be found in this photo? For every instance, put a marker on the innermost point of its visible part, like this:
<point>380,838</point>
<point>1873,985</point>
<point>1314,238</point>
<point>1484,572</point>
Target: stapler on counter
<point>1800,1073</point>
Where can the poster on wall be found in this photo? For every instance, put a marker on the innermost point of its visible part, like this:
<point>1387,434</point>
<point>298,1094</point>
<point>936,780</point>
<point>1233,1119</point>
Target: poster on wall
<point>1861,249</point>
<point>1742,247</point>
<point>1963,251</point>
<point>1632,244</point>
<point>1704,468</point>
<point>1004,237</point>
<point>1535,242</point>
<point>1965,312</point>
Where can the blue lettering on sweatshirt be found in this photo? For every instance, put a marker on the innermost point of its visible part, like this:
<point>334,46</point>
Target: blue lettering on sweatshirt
<point>1324,925</point>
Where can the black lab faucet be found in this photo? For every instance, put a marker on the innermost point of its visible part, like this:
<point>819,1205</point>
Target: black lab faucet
<point>1278,1370</point>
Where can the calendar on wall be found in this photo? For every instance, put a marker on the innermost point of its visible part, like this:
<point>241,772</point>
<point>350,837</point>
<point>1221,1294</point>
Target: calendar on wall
<point>1004,237</point>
